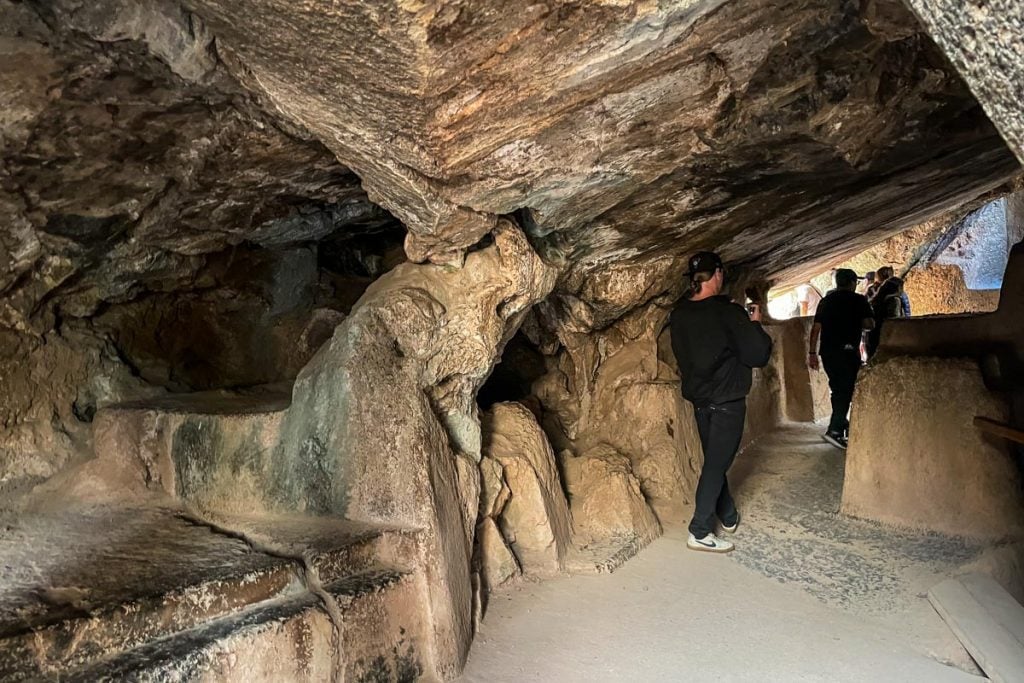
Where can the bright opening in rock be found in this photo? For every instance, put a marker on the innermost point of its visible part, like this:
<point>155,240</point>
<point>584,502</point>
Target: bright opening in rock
<point>951,265</point>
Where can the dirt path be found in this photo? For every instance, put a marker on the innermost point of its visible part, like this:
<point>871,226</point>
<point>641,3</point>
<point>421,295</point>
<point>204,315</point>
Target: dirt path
<point>807,596</point>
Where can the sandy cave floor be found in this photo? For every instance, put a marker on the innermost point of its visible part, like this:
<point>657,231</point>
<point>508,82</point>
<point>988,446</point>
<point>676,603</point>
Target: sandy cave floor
<point>807,596</point>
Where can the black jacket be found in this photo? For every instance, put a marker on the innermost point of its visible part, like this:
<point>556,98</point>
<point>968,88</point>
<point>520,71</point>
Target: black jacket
<point>888,301</point>
<point>716,344</point>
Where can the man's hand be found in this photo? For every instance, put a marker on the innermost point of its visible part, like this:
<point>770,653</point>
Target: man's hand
<point>812,360</point>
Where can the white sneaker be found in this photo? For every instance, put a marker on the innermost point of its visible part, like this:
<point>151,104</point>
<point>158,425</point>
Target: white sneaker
<point>709,544</point>
<point>837,440</point>
<point>732,529</point>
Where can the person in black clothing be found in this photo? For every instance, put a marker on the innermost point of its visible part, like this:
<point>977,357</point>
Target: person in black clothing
<point>886,301</point>
<point>715,344</point>
<point>841,320</point>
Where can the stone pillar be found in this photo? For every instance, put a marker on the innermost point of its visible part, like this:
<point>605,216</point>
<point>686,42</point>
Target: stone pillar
<point>383,425</point>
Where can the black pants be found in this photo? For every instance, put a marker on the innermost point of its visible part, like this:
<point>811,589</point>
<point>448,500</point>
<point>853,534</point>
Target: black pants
<point>720,428</point>
<point>842,368</point>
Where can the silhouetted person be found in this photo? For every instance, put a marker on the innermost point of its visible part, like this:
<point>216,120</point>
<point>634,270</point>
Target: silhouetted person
<point>886,302</point>
<point>842,317</point>
<point>866,283</point>
<point>716,344</point>
<point>877,278</point>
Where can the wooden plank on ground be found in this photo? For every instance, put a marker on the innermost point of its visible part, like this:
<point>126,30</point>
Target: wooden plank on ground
<point>998,428</point>
<point>987,620</point>
<point>1007,612</point>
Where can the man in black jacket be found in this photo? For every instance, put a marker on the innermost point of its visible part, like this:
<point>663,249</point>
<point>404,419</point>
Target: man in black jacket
<point>716,344</point>
<point>841,320</point>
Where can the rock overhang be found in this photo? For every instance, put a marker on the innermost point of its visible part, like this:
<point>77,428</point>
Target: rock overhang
<point>787,135</point>
<point>629,130</point>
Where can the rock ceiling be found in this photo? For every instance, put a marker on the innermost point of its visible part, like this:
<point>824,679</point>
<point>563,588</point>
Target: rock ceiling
<point>141,135</point>
<point>779,131</point>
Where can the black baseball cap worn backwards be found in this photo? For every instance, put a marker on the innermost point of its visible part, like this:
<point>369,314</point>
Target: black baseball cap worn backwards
<point>704,262</point>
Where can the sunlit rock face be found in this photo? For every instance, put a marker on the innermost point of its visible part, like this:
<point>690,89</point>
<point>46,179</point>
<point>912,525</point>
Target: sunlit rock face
<point>775,131</point>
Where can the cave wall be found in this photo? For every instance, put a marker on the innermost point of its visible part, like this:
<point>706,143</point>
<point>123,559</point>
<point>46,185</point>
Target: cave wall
<point>940,289</point>
<point>618,388</point>
<point>805,394</point>
<point>617,377</point>
<point>383,425</point>
<point>176,218</point>
<point>53,385</point>
<point>159,229</point>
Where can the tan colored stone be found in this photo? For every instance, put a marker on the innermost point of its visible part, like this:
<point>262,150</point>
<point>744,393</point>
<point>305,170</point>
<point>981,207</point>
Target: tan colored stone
<point>804,393</point>
<point>606,501</point>
<point>764,402</point>
<point>469,484</point>
<point>494,493</point>
<point>497,563</point>
<point>382,413</point>
<point>915,458</point>
<point>52,386</point>
<point>535,521</point>
<point>612,387</point>
<point>940,289</point>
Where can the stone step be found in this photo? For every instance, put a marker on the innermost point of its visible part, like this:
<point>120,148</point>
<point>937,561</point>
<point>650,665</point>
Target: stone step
<point>289,640</point>
<point>214,450</point>
<point>83,587</point>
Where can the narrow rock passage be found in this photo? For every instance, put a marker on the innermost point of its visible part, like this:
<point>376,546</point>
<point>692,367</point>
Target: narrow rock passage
<point>807,596</point>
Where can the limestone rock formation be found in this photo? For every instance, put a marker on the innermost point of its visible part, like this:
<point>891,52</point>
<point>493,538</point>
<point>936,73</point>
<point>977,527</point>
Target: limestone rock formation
<point>493,558</point>
<point>608,507</point>
<point>497,563</point>
<point>207,196</point>
<point>612,378</point>
<point>535,520</point>
<point>157,171</point>
<point>915,458</point>
<point>53,385</point>
<point>940,289</point>
<point>804,393</point>
<point>625,374</point>
<point>381,415</point>
<point>136,171</point>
